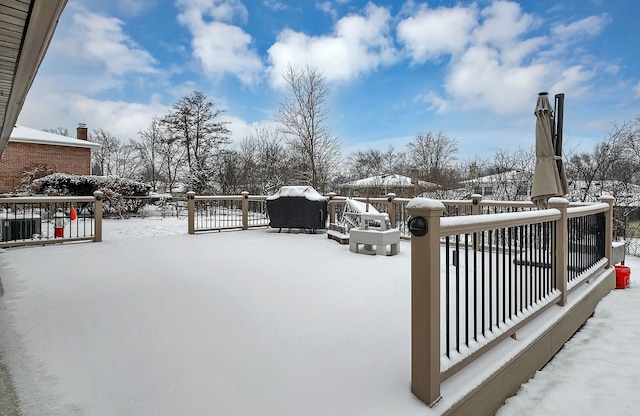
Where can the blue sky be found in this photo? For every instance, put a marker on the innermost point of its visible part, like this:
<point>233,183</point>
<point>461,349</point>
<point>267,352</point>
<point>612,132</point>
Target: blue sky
<point>396,68</point>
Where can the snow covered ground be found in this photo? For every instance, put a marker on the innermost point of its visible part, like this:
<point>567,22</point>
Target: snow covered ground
<point>153,321</point>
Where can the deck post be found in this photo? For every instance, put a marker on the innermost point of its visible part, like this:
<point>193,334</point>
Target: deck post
<point>245,210</point>
<point>191,204</point>
<point>475,210</point>
<point>608,228</point>
<point>561,248</point>
<point>391,208</point>
<point>475,204</point>
<point>97,216</point>
<point>424,224</point>
<point>332,209</point>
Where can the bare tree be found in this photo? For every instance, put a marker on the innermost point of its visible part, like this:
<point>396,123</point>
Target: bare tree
<point>248,160</point>
<point>265,161</point>
<point>149,151</point>
<point>303,119</point>
<point>433,155</point>
<point>172,161</point>
<point>365,163</point>
<point>275,160</point>
<point>230,173</point>
<point>511,173</point>
<point>395,162</point>
<point>191,123</point>
<point>113,158</point>
<point>615,161</point>
<point>627,167</point>
<point>103,159</point>
<point>61,131</point>
<point>127,162</point>
<point>372,162</point>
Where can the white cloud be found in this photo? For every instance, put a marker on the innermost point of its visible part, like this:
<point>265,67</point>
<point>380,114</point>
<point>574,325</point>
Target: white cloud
<point>517,53</point>
<point>134,7</point>
<point>218,10</point>
<point>327,7</point>
<point>589,26</point>
<point>358,45</point>
<point>221,47</point>
<point>487,55</point>
<point>240,129</point>
<point>504,60</point>
<point>225,48</point>
<point>123,119</point>
<point>636,89</point>
<point>611,69</point>
<point>435,101</point>
<point>104,42</point>
<point>574,79</point>
<point>275,5</point>
<point>432,33</point>
<point>493,61</point>
<point>503,23</point>
<point>480,80</point>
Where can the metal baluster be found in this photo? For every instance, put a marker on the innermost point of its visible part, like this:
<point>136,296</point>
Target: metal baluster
<point>490,236</point>
<point>474,241</point>
<point>466,289</point>
<point>483,286</point>
<point>457,261</point>
<point>447,319</point>
<point>496,249</point>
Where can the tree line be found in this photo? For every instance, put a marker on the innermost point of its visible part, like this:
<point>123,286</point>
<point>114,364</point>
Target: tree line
<point>190,146</point>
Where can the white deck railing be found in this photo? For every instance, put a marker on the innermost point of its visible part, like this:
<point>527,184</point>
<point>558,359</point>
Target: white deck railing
<point>478,279</point>
<point>49,220</point>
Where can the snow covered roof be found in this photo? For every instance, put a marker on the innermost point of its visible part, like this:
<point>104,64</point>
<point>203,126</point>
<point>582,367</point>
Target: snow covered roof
<point>388,181</point>
<point>512,175</point>
<point>298,192</point>
<point>22,134</point>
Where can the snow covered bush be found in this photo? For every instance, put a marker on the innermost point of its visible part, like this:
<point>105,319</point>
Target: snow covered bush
<point>119,193</point>
<point>35,173</point>
<point>79,185</point>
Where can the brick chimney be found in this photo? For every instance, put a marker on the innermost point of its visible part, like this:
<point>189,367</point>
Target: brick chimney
<point>414,176</point>
<point>473,171</point>
<point>82,132</point>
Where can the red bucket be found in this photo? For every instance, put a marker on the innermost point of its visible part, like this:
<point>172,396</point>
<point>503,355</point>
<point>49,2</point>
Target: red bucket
<point>623,274</point>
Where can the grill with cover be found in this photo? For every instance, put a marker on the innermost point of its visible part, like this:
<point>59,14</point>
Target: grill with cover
<point>297,207</point>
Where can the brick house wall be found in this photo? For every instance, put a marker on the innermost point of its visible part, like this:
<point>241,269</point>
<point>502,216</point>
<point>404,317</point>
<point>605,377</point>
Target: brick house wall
<point>41,153</point>
<point>18,158</point>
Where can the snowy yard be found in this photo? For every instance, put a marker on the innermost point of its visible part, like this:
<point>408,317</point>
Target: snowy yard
<point>153,321</point>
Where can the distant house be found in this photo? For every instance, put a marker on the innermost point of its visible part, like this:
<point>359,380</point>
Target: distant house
<point>30,150</point>
<point>377,186</point>
<point>513,185</point>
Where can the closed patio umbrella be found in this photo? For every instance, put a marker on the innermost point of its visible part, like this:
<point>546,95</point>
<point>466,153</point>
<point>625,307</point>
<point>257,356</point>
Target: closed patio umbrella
<point>548,181</point>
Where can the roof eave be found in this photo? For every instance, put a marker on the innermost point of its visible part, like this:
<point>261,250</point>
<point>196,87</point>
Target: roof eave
<point>38,30</point>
